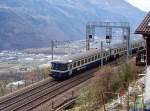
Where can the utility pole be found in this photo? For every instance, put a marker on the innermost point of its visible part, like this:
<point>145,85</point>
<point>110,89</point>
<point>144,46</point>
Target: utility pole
<point>128,42</point>
<point>52,49</point>
<point>101,53</point>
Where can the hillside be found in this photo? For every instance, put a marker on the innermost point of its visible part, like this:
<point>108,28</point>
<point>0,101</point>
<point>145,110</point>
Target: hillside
<point>33,23</point>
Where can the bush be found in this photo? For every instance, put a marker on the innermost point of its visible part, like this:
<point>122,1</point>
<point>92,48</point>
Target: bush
<point>109,79</point>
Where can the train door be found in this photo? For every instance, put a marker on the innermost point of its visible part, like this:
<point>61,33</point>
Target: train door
<point>70,69</point>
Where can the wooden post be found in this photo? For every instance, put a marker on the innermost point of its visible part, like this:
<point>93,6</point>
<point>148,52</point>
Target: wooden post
<point>128,107</point>
<point>72,94</point>
<point>52,104</point>
<point>25,83</point>
<point>11,89</point>
<point>142,99</point>
<point>135,102</point>
<point>32,81</point>
<point>102,94</point>
<point>18,85</point>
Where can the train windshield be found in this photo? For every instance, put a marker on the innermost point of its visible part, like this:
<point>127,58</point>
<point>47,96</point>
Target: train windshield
<point>59,66</point>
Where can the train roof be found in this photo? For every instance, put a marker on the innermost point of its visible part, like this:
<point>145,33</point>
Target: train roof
<point>79,56</point>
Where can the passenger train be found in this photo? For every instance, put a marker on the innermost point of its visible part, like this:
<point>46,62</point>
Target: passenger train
<point>75,64</point>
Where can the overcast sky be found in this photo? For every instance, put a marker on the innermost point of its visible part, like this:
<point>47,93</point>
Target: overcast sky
<point>141,4</point>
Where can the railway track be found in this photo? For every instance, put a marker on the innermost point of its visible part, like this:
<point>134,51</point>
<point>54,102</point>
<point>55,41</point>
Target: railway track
<point>41,93</point>
<point>17,97</point>
<point>27,102</point>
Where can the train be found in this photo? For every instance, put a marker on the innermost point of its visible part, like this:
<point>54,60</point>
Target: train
<point>141,57</point>
<point>75,64</point>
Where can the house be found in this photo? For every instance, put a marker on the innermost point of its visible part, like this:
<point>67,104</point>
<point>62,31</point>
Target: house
<point>144,29</point>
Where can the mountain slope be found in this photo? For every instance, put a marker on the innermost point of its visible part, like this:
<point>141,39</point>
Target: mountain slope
<point>33,23</point>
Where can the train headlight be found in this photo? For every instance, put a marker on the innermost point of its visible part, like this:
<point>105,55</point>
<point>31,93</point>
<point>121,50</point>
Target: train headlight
<point>69,60</point>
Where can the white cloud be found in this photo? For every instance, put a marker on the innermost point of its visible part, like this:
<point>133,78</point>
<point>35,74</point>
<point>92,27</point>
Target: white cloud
<point>141,4</point>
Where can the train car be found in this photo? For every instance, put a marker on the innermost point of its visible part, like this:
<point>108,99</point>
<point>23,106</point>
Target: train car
<point>75,64</point>
<point>141,57</point>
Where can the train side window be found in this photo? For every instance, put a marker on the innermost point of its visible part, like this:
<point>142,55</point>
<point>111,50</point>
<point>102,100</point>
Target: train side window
<point>78,63</point>
<point>92,58</point>
<point>74,64</point>
<point>85,60</point>
<point>103,54</point>
<point>89,59</point>
<point>99,55</point>
<point>107,53</point>
<point>95,57</point>
<point>82,62</point>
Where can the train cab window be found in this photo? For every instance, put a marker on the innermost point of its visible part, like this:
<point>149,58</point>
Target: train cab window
<point>78,63</point>
<point>74,64</point>
<point>82,62</point>
<point>85,60</point>
<point>59,66</point>
<point>106,53</point>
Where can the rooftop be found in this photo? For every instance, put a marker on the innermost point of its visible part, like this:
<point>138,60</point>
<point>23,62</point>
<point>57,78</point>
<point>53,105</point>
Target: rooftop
<point>144,27</point>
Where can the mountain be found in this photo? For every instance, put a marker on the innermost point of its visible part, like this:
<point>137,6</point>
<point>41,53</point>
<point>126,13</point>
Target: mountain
<point>33,23</point>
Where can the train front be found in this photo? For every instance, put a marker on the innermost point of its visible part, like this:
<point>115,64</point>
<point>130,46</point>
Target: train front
<point>59,70</point>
